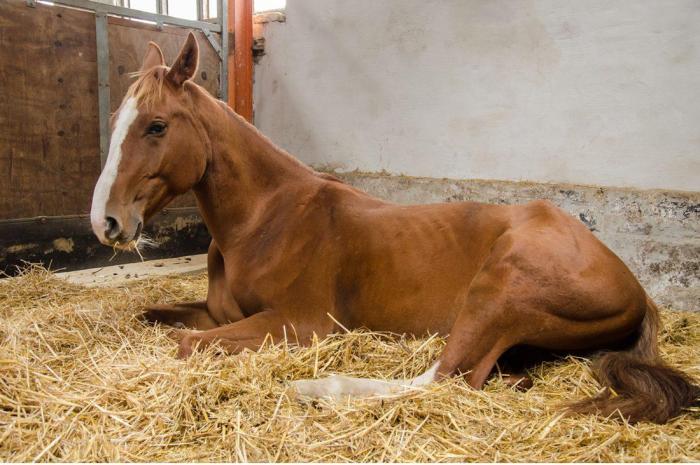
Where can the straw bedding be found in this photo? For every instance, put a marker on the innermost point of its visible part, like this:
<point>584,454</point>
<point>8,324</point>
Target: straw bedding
<point>83,379</point>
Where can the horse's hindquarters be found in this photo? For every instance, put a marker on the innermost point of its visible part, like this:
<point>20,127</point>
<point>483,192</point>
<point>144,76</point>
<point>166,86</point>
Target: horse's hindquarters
<point>568,290</point>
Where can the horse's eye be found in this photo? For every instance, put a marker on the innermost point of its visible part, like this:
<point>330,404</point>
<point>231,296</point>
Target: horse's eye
<point>156,128</point>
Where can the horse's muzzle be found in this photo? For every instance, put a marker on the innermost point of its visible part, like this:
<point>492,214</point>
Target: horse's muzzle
<point>113,232</point>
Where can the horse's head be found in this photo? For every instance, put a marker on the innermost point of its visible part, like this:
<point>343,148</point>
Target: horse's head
<point>157,150</point>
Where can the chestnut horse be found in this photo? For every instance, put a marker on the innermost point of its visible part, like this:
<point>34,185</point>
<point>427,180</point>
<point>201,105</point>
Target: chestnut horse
<point>296,253</point>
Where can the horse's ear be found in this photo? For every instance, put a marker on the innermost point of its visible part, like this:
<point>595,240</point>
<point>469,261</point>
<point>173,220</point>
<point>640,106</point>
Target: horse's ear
<point>186,63</point>
<point>153,57</point>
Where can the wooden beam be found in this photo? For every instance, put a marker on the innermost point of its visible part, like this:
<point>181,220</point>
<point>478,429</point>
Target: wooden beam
<point>243,59</point>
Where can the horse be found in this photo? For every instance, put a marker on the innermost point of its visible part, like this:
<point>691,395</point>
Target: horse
<point>298,252</point>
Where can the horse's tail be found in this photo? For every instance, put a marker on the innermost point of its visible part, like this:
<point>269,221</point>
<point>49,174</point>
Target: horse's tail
<point>638,384</point>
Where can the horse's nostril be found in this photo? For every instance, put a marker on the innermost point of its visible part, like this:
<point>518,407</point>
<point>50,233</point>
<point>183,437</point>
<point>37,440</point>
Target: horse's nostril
<point>112,229</point>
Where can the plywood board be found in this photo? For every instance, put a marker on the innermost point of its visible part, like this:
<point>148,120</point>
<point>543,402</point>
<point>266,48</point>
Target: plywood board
<point>49,154</point>
<point>128,42</point>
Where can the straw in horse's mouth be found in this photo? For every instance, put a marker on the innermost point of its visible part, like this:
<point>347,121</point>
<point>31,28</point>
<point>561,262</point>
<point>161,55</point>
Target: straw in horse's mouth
<point>137,244</point>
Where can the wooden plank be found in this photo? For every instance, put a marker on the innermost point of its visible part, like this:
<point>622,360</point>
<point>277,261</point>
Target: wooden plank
<point>49,158</point>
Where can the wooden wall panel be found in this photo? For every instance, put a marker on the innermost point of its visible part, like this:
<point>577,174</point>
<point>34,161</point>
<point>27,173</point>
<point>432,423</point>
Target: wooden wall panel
<point>49,133</point>
<point>48,110</point>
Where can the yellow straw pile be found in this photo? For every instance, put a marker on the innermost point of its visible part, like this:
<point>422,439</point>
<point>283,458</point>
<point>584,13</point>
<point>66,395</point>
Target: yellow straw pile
<point>83,379</point>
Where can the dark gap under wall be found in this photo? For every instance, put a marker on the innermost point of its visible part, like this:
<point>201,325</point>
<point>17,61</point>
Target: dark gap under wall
<point>67,243</point>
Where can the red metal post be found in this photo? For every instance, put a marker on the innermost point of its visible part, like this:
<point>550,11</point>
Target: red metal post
<point>242,93</point>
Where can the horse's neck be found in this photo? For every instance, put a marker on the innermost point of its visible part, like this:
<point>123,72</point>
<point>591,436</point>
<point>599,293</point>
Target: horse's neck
<point>243,169</point>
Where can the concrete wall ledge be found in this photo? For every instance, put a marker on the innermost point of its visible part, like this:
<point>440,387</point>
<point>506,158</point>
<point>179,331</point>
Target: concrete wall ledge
<point>657,233</point>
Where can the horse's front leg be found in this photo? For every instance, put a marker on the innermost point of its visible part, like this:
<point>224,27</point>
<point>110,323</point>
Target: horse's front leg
<point>219,308</point>
<point>193,315</point>
<point>248,333</point>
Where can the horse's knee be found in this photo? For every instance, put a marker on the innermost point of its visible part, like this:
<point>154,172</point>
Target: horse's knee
<point>188,315</point>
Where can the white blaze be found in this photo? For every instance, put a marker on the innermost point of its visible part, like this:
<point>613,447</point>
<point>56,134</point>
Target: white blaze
<point>343,386</point>
<point>127,115</point>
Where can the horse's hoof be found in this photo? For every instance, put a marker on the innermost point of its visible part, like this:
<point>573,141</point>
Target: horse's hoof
<point>185,348</point>
<point>177,334</point>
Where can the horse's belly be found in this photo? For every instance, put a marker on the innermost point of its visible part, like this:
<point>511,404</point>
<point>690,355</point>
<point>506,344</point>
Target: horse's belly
<point>418,321</point>
<point>406,303</point>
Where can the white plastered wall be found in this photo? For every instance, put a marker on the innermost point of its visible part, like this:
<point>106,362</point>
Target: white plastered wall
<point>603,92</point>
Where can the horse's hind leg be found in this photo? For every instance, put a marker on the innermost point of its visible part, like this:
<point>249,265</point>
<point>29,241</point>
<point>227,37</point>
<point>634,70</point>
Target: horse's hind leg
<point>485,327</point>
<point>473,348</point>
<point>515,300</point>
<point>478,338</point>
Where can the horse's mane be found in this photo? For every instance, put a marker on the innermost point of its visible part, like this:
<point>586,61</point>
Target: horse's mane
<point>148,87</point>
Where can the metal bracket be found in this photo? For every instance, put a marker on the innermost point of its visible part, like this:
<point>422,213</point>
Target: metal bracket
<point>162,7</point>
<point>137,14</point>
<point>212,40</point>
<point>200,10</point>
